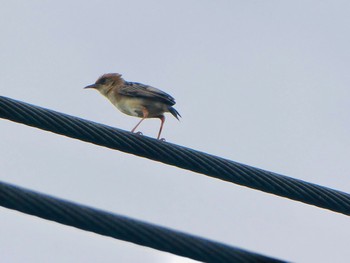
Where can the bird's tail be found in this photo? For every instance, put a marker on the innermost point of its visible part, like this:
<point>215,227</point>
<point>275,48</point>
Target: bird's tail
<point>174,112</point>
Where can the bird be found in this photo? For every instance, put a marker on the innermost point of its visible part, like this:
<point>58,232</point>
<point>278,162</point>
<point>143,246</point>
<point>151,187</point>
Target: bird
<point>135,99</point>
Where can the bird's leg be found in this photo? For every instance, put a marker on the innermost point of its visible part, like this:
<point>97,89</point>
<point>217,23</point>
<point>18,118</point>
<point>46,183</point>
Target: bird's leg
<point>162,119</point>
<point>137,125</point>
<point>145,115</point>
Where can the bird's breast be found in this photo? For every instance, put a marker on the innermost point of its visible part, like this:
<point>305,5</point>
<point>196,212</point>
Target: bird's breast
<point>129,106</point>
<point>136,106</point>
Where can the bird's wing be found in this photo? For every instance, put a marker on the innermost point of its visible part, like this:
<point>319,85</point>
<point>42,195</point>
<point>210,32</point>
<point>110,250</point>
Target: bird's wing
<point>134,89</point>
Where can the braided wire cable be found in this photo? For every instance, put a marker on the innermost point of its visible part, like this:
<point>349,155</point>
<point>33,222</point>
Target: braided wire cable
<point>123,228</point>
<point>175,155</point>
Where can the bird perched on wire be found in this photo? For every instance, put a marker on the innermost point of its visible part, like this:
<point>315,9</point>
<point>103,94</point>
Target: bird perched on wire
<point>135,99</point>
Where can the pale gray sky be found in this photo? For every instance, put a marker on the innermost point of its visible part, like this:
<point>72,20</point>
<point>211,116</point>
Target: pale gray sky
<point>264,83</point>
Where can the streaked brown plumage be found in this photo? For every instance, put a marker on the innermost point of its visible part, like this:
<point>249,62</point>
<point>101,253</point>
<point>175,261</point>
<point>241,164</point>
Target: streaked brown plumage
<point>136,99</point>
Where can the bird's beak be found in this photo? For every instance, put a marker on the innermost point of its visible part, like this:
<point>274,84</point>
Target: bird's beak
<point>92,86</point>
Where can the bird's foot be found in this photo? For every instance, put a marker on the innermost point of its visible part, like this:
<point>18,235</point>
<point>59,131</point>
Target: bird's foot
<point>139,133</point>
<point>162,139</point>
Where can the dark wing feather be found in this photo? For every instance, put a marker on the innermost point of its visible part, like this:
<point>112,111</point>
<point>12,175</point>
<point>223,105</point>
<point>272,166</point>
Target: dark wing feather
<point>134,89</point>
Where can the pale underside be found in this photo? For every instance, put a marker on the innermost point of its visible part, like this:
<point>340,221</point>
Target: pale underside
<point>137,106</point>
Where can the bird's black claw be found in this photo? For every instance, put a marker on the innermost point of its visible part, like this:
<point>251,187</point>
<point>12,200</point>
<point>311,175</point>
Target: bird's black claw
<point>139,133</point>
<point>162,139</point>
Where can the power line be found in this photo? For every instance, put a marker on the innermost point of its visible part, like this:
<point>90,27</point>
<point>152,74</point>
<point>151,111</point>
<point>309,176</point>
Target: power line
<point>176,155</point>
<point>123,228</point>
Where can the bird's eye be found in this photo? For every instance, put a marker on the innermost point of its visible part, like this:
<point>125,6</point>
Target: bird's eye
<point>102,81</point>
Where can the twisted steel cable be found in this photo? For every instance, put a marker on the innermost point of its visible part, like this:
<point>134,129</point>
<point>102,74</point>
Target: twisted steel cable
<point>123,228</point>
<point>176,155</point>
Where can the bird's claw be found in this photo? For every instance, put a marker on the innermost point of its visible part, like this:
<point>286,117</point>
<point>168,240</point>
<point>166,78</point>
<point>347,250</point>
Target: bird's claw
<point>139,133</point>
<point>162,139</point>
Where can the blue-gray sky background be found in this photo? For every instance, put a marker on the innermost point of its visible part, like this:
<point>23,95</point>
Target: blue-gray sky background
<point>264,83</point>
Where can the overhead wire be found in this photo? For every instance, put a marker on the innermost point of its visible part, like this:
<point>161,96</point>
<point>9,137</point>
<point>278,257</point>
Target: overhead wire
<point>123,228</point>
<point>175,155</point>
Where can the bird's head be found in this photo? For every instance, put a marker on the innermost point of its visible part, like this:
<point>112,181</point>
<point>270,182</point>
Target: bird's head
<point>107,81</point>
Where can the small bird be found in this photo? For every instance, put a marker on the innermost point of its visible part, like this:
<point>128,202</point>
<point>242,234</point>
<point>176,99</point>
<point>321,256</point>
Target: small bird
<point>135,99</point>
